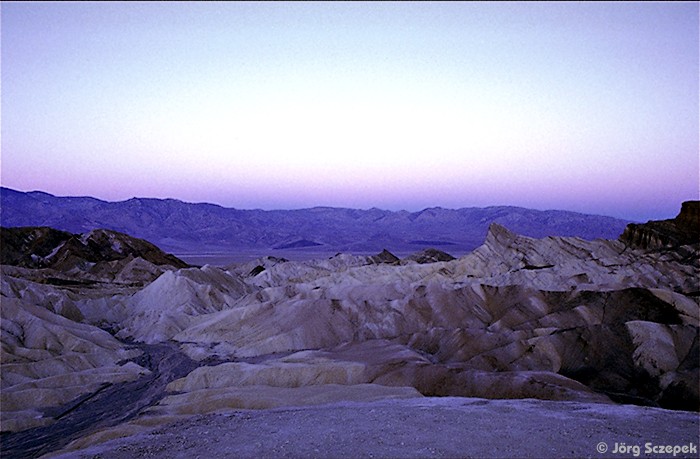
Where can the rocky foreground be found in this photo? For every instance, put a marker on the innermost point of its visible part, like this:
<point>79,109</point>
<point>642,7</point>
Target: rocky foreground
<point>104,336</point>
<point>448,427</point>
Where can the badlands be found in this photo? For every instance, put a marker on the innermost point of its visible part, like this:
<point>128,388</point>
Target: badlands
<point>522,348</point>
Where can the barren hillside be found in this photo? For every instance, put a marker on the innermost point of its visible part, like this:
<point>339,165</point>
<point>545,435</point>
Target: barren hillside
<point>94,349</point>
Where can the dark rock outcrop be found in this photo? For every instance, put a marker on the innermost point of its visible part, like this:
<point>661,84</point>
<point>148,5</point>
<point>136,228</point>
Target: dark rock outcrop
<point>385,257</point>
<point>665,234</point>
<point>429,256</point>
<point>38,248</point>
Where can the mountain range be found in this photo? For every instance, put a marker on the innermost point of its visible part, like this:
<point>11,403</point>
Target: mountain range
<point>186,228</point>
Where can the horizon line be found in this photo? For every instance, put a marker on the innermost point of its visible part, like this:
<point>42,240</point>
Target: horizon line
<point>314,207</point>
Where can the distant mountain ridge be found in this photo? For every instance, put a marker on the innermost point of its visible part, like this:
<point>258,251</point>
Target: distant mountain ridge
<point>181,227</point>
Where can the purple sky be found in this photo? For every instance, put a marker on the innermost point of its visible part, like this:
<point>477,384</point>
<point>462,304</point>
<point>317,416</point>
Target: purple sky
<point>590,107</point>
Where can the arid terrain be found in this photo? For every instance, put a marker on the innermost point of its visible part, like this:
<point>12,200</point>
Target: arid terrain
<point>523,347</point>
<point>447,427</point>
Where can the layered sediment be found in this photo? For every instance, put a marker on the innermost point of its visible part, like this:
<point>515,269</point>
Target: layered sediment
<point>560,319</point>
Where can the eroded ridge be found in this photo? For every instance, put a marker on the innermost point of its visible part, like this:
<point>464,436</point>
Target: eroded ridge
<point>559,319</point>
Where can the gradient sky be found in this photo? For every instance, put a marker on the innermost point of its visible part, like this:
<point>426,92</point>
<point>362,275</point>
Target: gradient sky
<point>590,107</point>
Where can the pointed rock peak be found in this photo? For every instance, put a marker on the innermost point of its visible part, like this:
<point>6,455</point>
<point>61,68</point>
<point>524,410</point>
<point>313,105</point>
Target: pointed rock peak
<point>500,236</point>
<point>385,257</point>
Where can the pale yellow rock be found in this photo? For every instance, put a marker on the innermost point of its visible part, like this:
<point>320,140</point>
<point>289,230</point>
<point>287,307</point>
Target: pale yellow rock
<point>274,374</point>
<point>87,305</point>
<point>575,264</point>
<point>548,351</point>
<point>257,397</point>
<point>170,303</point>
<point>107,373</point>
<point>655,350</point>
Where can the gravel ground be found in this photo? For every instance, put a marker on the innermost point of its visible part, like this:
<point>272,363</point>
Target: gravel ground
<point>446,427</point>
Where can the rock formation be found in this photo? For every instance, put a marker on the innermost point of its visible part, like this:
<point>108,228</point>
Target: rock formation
<point>558,318</point>
<point>49,360</point>
<point>99,255</point>
<point>49,248</point>
<point>429,256</point>
<point>56,289</point>
<point>680,231</point>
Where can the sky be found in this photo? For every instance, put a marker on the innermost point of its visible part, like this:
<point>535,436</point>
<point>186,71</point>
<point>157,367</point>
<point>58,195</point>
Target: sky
<point>588,107</point>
